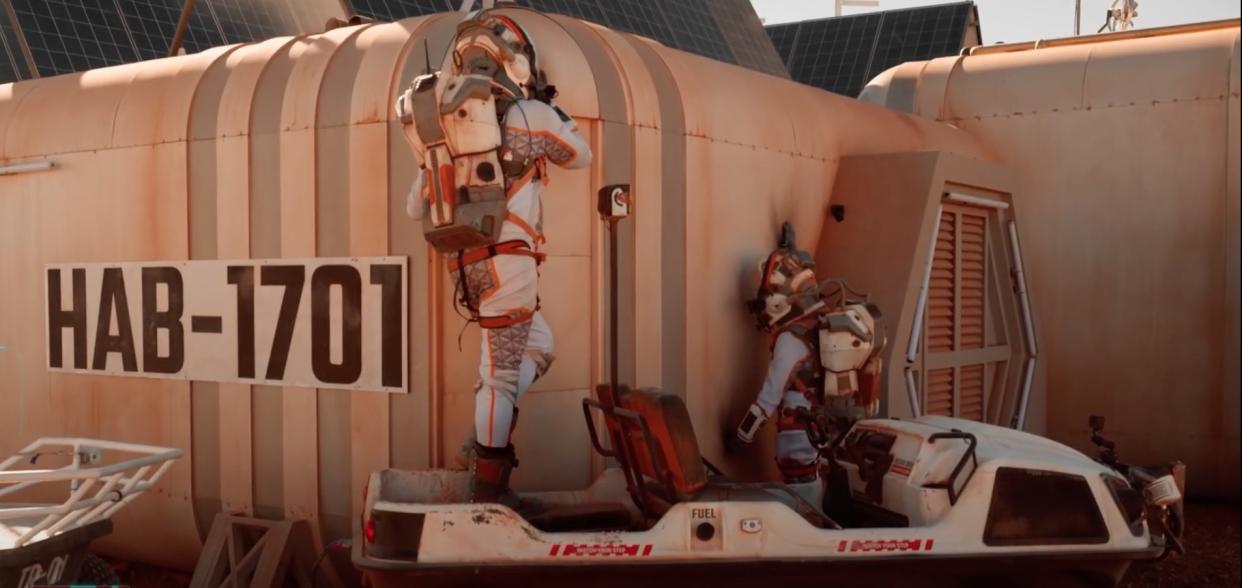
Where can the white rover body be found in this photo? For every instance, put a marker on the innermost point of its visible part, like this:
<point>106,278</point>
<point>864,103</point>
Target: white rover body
<point>930,501</point>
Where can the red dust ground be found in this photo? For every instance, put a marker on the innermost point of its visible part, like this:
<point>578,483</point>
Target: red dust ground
<point>1214,552</point>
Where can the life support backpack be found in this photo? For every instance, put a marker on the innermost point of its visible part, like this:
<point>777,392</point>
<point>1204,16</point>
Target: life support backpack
<point>847,338</point>
<point>844,339</point>
<point>454,123</point>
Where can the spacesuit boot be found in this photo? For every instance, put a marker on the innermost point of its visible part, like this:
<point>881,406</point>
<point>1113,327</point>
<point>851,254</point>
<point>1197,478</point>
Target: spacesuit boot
<point>811,490</point>
<point>490,468</point>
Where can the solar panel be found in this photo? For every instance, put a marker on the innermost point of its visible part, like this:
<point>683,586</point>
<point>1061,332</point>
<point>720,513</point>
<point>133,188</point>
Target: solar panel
<point>12,62</point>
<point>693,29</point>
<point>743,34</point>
<point>240,21</point>
<point>153,23</point>
<point>842,54</point>
<point>222,22</point>
<point>784,37</point>
<point>629,12</point>
<point>910,35</point>
<point>390,10</point>
<point>72,35</point>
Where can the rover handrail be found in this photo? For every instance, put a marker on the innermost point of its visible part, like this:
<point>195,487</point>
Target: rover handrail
<point>969,455</point>
<point>95,492</point>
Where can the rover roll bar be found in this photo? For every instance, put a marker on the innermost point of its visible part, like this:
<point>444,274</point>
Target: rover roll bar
<point>969,455</point>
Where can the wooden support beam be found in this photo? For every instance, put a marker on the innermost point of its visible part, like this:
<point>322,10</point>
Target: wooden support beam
<point>243,552</point>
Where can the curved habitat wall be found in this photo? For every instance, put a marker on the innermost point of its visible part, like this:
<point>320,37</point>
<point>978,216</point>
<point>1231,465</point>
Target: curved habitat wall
<point>287,149</point>
<point>1126,146</point>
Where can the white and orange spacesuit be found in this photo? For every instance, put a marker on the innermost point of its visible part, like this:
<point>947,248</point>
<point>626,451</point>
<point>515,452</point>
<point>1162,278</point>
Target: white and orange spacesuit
<point>495,264</point>
<point>819,354</point>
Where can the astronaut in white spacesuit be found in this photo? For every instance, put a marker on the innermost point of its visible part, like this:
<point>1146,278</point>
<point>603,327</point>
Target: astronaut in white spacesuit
<point>498,283</point>
<point>818,352</point>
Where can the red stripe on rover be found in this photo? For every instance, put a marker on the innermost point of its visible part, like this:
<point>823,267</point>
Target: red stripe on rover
<point>884,545</point>
<point>600,550</point>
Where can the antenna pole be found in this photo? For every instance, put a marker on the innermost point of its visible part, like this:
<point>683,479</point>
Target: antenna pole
<point>183,22</point>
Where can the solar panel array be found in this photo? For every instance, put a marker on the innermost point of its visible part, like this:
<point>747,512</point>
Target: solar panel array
<point>842,54</point>
<point>64,36</point>
<point>724,30</point>
<point>390,10</point>
<point>73,35</point>
<point>738,23</point>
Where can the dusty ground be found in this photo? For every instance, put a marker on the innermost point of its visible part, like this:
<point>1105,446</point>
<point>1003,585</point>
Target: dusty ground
<point>1212,543</point>
<point>1212,553</point>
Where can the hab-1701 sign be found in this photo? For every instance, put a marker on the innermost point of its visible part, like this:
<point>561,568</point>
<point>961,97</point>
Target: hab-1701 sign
<point>321,322</point>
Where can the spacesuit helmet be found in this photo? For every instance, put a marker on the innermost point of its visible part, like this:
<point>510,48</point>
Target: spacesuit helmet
<point>788,288</point>
<point>496,46</point>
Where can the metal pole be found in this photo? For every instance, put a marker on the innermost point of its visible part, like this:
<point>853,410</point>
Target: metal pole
<point>1077,16</point>
<point>912,394</point>
<point>613,204</point>
<point>613,320</point>
<point>182,24</point>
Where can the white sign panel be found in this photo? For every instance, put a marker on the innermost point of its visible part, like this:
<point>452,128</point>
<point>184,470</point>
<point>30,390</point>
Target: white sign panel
<point>320,322</point>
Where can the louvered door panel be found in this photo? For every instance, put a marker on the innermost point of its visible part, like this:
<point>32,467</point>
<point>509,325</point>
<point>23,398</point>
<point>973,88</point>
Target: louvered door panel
<point>957,313</point>
<point>971,280</point>
<point>970,392</point>
<point>940,304</point>
<point>971,274</point>
<point>940,392</point>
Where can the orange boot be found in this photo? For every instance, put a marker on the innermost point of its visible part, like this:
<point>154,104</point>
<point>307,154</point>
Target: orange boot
<point>490,468</point>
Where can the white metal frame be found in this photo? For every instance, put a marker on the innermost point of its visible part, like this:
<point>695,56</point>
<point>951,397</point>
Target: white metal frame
<point>1028,330</point>
<point>916,331</point>
<point>95,492</point>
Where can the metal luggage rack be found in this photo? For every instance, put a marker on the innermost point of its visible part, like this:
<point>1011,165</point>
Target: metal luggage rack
<point>96,491</point>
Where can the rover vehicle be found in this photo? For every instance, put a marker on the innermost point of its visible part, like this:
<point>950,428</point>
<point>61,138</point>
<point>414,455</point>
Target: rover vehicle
<point>929,501</point>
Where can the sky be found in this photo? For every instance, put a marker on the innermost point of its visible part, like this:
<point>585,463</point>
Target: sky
<point>1021,20</point>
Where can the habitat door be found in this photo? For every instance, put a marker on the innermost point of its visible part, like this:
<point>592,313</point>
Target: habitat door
<point>932,239</point>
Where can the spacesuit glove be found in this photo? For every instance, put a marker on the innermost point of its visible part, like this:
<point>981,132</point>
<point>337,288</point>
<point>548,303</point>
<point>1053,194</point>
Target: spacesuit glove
<point>733,444</point>
<point>744,435</point>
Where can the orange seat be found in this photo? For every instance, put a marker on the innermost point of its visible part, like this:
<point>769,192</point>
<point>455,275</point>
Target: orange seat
<point>653,441</point>
<point>680,466</point>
